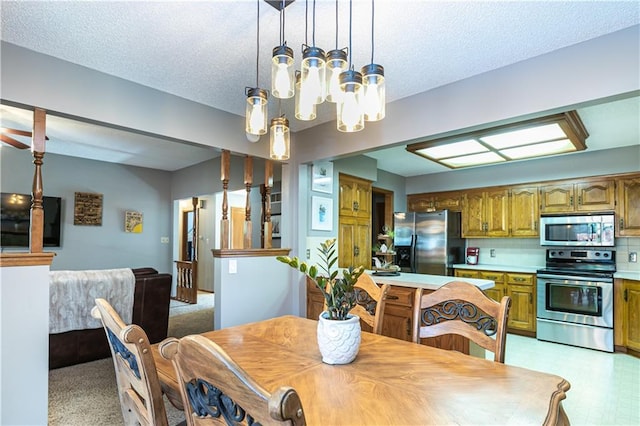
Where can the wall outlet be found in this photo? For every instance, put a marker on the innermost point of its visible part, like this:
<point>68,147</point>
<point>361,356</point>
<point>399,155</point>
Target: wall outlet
<point>492,252</point>
<point>233,266</point>
<point>308,254</point>
<point>633,257</point>
<point>164,240</point>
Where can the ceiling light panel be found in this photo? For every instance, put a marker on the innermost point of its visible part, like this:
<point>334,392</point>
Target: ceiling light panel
<point>525,136</point>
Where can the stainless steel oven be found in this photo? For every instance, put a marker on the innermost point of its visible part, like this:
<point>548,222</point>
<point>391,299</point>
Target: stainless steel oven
<point>575,298</point>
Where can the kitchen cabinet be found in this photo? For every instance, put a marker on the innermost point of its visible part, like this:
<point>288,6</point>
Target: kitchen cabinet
<point>627,314</point>
<point>520,287</point>
<point>485,213</point>
<point>315,300</point>
<point>583,196</point>
<point>524,211</point>
<point>435,201</point>
<point>628,206</point>
<point>354,239</point>
<point>355,197</point>
<point>354,225</point>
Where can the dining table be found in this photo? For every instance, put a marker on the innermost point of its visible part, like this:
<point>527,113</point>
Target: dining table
<point>391,381</point>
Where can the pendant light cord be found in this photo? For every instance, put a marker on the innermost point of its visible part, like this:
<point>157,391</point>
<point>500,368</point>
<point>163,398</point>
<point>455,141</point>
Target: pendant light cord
<point>372,24</point>
<point>282,24</point>
<point>306,23</point>
<point>257,42</point>
<point>350,25</point>
<point>313,32</point>
<point>336,24</point>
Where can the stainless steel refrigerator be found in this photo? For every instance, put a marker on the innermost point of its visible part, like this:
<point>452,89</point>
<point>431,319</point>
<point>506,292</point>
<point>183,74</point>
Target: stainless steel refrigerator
<point>428,243</point>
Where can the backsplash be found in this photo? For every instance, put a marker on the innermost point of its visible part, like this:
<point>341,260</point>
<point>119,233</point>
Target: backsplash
<point>528,252</point>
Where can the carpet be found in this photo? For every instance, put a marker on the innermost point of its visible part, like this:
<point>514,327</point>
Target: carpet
<point>86,394</point>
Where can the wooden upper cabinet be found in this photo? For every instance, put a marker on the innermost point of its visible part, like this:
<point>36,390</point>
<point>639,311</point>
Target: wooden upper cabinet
<point>355,197</point>
<point>524,212</point>
<point>628,207</point>
<point>588,196</point>
<point>435,201</point>
<point>485,213</point>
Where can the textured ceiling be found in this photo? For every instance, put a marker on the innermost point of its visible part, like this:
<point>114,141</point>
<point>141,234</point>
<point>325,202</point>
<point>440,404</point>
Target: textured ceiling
<point>205,51</point>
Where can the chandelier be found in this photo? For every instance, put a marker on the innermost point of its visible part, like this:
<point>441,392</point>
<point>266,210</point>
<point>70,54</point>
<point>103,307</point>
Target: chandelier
<point>359,96</point>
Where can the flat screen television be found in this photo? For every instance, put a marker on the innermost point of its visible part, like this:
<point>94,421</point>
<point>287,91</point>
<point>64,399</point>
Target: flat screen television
<point>15,220</point>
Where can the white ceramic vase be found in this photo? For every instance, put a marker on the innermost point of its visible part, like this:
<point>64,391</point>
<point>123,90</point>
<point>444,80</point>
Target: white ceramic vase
<point>339,341</point>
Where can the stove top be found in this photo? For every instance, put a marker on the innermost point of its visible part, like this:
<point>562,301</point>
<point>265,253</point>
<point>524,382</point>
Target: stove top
<point>598,263</point>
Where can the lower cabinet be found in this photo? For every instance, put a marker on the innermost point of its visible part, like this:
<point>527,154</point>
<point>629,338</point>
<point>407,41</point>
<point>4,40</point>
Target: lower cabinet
<point>522,290</point>
<point>627,314</point>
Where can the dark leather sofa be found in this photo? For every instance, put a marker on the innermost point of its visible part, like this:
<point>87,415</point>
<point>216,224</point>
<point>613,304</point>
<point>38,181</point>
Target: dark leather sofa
<point>150,311</point>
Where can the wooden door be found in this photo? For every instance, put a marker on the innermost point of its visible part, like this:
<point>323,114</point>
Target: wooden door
<point>557,198</point>
<point>497,213</point>
<point>524,212</point>
<point>632,313</point>
<point>595,196</point>
<point>346,196</point>
<point>628,207</point>
<point>237,227</point>
<point>473,215</point>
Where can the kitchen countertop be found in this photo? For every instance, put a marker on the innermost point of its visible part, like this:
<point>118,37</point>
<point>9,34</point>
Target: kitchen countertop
<point>629,275</point>
<point>426,282</point>
<point>501,268</point>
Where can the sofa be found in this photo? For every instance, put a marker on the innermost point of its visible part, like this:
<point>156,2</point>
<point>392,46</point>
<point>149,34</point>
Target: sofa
<point>151,300</point>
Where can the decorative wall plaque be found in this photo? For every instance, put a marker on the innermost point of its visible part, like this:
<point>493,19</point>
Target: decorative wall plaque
<point>133,222</point>
<point>87,209</point>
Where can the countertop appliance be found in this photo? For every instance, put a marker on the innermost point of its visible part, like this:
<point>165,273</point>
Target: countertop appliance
<point>473,254</point>
<point>428,243</point>
<point>575,297</point>
<point>583,230</point>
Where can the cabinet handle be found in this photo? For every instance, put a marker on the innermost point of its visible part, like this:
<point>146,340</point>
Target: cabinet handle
<point>408,328</point>
<point>530,298</point>
<point>519,279</point>
<point>571,200</point>
<point>535,226</point>
<point>356,206</point>
<point>626,294</point>
<point>621,223</point>
<point>580,200</point>
<point>391,297</point>
<point>356,251</point>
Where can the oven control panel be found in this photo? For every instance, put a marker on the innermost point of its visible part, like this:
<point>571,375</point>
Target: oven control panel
<point>578,255</point>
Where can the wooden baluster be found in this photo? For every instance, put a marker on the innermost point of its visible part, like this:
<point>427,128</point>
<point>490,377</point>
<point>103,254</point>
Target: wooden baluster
<point>268,183</point>
<point>248,181</point>
<point>224,176</point>
<point>37,212</point>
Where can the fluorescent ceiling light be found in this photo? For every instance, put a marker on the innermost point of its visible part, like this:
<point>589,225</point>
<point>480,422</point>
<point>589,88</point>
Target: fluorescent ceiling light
<point>556,134</point>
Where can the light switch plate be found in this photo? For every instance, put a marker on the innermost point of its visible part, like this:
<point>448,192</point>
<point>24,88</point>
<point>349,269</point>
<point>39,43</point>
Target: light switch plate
<point>233,266</point>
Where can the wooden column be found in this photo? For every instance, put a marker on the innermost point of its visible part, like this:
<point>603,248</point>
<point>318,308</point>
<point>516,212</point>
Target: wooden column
<point>38,150</point>
<point>268,183</point>
<point>248,181</point>
<point>194,236</point>
<point>224,176</point>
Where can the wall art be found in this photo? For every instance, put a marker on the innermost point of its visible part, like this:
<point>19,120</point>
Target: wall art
<point>87,209</point>
<point>322,177</point>
<point>322,213</point>
<point>133,222</point>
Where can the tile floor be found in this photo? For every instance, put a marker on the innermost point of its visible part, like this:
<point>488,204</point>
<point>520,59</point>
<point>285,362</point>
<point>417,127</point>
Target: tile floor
<point>605,387</point>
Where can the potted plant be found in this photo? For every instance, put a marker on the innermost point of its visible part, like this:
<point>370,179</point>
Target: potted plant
<point>338,330</point>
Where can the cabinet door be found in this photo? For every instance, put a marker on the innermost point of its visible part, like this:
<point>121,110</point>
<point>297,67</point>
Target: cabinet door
<point>346,199</point>
<point>473,215</point>
<point>420,203</point>
<point>522,314</point>
<point>354,240</point>
<point>556,198</point>
<point>451,202</point>
<point>595,196</point>
<point>466,273</point>
<point>497,292</point>
<point>628,207</point>
<point>632,313</point>
<point>315,300</point>
<point>497,213</point>
<point>524,212</point>
<point>362,198</point>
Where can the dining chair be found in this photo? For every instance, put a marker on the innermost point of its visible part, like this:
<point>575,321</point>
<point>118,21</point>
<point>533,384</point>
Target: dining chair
<point>461,308</point>
<point>214,389</point>
<point>136,376</point>
<point>371,300</point>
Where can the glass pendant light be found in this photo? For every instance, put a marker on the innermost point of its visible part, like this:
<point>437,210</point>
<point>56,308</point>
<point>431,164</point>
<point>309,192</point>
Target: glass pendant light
<point>349,110</point>
<point>350,117</point>
<point>336,64</point>
<point>256,108</point>
<point>305,109</point>
<point>282,76</point>
<point>313,65</point>
<point>374,88</point>
<point>279,139</point>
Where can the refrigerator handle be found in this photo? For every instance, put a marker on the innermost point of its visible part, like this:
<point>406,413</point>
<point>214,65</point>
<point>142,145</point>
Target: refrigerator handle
<point>414,244</point>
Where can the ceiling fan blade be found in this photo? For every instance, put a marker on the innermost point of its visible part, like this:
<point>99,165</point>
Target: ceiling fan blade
<point>11,141</point>
<point>18,132</point>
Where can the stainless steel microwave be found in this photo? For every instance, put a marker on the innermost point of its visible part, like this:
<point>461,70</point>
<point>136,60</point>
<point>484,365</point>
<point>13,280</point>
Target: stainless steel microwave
<point>577,230</point>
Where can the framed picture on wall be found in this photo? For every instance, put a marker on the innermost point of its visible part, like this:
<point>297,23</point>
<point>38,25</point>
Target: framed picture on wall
<point>322,213</point>
<point>275,225</point>
<point>322,177</point>
<point>133,222</point>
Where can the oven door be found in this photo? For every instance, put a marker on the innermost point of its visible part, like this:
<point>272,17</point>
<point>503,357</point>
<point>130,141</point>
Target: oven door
<point>576,300</point>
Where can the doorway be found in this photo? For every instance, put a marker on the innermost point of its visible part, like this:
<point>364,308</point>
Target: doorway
<point>381,211</point>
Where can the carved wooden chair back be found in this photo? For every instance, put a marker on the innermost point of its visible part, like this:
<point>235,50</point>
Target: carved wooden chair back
<point>462,308</point>
<point>138,385</point>
<point>216,390</point>
<point>371,300</point>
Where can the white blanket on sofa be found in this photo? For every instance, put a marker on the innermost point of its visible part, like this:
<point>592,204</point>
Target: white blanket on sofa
<point>72,294</point>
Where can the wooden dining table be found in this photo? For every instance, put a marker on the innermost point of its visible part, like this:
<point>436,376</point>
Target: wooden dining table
<point>391,382</point>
